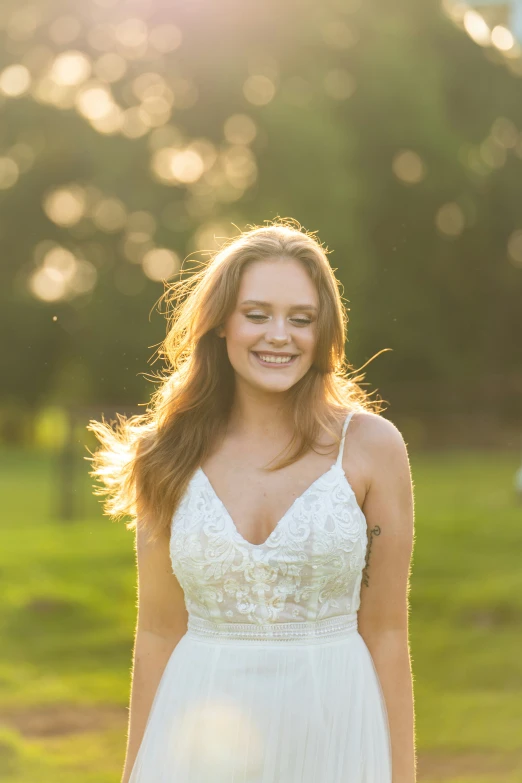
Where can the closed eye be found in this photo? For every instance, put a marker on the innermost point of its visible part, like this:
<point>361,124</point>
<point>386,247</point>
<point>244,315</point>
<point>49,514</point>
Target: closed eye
<point>300,321</point>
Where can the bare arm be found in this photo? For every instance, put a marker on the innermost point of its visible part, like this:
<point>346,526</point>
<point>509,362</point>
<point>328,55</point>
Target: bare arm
<point>383,614</point>
<point>161,622</point>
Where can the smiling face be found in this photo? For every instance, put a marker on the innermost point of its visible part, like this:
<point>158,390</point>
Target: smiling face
<point>272,333</point>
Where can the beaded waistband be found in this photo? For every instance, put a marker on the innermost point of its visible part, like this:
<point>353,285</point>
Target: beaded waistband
<point>297,632</point>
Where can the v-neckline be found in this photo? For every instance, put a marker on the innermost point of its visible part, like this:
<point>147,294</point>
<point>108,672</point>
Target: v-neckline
<point>279,524</point>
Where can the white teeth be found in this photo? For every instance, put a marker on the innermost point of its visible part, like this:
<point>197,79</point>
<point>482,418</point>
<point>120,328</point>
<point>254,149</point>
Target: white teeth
<point>276,359</point>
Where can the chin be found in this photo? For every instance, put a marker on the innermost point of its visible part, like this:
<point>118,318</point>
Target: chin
<point>282,385</point>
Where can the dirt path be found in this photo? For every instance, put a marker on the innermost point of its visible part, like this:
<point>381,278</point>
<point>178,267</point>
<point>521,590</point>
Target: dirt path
<point>51,720</point>
<point>60,719</point>
<point>443,766</point>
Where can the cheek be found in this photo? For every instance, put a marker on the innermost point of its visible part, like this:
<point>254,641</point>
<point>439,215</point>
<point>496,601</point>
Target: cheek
<point>244,334</point>
<point>241,333</point>
<point>307,339</point>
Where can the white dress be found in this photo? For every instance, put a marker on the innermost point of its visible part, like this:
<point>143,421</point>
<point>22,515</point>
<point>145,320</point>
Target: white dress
<point>272,682</point>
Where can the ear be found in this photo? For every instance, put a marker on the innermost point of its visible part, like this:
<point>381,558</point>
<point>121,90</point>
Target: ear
<point>220,332</point>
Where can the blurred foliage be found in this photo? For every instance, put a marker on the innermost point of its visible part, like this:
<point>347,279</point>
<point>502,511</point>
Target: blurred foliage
<point>136,134</point>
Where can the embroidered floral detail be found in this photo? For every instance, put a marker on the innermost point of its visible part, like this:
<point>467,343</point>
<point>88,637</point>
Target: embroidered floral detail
<point>309,567</point>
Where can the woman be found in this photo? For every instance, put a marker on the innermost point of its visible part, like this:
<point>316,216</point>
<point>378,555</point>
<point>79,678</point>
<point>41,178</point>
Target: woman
<point>272,630</point>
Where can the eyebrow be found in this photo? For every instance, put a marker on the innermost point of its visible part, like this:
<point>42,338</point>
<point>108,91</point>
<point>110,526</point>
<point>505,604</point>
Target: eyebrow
<point>267,304</point>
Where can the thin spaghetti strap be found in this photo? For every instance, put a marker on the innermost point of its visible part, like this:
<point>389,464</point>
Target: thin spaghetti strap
<point>341,447</point>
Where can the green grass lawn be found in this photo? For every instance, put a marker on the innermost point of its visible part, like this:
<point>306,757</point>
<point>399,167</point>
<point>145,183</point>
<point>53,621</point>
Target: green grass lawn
<point>68,610</point>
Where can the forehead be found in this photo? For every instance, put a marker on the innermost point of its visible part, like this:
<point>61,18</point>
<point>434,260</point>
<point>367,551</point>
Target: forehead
<point>277,282</point>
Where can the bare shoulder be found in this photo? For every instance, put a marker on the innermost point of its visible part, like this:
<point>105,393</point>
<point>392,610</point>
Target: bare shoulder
<point>381,448</point>
<point>377,431</point>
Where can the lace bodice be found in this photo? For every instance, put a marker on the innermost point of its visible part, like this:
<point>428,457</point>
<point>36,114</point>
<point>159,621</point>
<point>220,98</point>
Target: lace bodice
<point>306,575</point>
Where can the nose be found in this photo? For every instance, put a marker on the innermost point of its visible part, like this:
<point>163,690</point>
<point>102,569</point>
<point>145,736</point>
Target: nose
<point>277,332</point>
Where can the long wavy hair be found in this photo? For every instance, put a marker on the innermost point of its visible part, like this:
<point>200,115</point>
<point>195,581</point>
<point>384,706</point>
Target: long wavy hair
<point>146,461</point>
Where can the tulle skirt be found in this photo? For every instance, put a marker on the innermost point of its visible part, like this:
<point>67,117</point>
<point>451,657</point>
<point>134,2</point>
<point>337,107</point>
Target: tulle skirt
<point>230,711</point>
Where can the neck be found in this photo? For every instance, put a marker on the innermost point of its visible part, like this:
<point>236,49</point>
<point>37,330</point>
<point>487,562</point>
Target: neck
<point>260,416</point>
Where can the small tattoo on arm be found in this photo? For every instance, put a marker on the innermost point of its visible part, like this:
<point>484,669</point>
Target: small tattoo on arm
<point>376,531</point>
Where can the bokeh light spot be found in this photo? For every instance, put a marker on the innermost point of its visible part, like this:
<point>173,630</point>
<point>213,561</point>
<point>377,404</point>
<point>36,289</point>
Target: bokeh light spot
<point>155,111</point>
<point>502,38</point>
<point>493,153</point>
<point>450,219</point>
<point>61,274</point>
<point>515,248</point>
<point>187,165</point>
<point>258,89</point>
<point>65,206</point>
<point>476,28</point>
<point>160,263</point>
<point>133,125</point>
<point>94,102</point>
<point>109,123</point>
<point>71,68</point>
<point>240,129</point>
<point>47,285</point>
<point>161,164</point>
<point>110,67</point>
<point>240,166</point>
<point>408,167</point>
<point>61,261</point>
<point>455,10</point>
<point>9,173</point>
<point>85,277</point>
<point>15,80</point>
<point>148,84</point>
<point>206,150</point>
<point>109,215</point>
<point>134,247</point>
<point>505,132</point>
<point>211,236</point>
<point>131,33</point>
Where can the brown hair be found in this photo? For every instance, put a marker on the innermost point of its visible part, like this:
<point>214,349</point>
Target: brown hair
<point>147,460</point>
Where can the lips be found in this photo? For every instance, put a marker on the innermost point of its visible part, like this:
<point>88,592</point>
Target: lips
<point>275,364</point>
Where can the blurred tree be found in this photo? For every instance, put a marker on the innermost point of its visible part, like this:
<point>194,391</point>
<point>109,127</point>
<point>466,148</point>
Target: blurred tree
<point>134,135</point>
